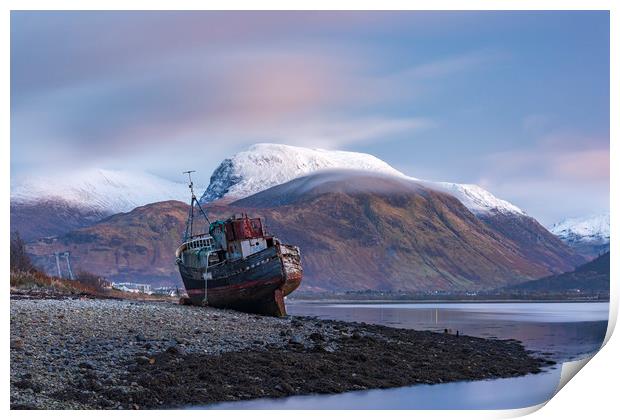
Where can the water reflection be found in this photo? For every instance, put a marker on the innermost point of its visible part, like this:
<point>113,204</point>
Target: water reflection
<point>489,395</point>
<point>567,331</point>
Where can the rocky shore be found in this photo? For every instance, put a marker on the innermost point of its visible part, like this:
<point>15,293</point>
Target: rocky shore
<point>119,354</point>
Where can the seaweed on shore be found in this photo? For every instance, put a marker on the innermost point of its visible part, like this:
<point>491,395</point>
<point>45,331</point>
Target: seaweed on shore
<point>371,357</point>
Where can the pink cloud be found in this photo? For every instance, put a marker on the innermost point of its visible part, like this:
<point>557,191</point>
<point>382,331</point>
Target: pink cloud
<point>582,165</point>
<point>557,157</point>
<point>271,85</point>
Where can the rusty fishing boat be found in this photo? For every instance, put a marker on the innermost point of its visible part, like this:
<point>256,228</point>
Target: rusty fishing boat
<point>237,265</point>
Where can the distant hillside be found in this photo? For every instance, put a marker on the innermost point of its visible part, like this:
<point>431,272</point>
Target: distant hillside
<point>51,218</point>
<point>535,242</point>
<point>356,230</point>
<point>57,203</point>
<point>367,231</point>
<point>104,190</point>
<point>134,246</point>
<point>53,204</point>
<point>587,235</point>
<point>592,277</point>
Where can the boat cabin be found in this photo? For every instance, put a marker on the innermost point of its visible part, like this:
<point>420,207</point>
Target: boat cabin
<point>201,241</point>
<point>200,251</point>
<point>242,236</point>
<point>233,239</point>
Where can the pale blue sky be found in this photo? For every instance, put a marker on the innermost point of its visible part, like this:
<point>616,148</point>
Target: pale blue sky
<point>517,102</point>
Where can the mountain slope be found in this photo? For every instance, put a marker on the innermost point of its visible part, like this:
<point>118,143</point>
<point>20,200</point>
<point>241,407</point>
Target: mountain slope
<point>534,241</point>
<point>588,235</point>
<point>592,277</point>
<point>136,246</point>
<point>265,165</point>
<point>356,230</point>
<point>97,189</point>
<point>478,200</point>
<point>56,204</point>
<point>373,231</point>
<point>50,218</point>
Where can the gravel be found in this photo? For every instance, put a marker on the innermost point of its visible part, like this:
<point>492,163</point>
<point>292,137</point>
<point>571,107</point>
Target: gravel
<point>90,353</point>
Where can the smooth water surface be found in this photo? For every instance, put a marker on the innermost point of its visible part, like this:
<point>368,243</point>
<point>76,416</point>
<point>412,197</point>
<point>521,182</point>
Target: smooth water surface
<point>495,394</point>
<point>569,331</point>
<point>562,331</point>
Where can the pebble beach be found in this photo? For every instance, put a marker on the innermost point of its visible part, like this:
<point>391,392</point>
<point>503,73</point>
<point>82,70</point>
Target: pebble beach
<point>121,354</point>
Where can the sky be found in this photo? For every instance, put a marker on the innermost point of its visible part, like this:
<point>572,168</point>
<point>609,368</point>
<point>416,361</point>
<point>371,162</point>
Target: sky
<point>517,102</point>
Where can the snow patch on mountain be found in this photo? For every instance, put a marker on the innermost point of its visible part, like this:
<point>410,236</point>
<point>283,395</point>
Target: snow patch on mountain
<point>477,199</point>
<point>592,229</point>
<point>265,165</point>
<point>260,167</point>
<point>108,191</point>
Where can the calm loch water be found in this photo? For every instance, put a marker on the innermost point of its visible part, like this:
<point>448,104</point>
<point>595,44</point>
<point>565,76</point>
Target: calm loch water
<point>569,331</point>
<point>563,331</point>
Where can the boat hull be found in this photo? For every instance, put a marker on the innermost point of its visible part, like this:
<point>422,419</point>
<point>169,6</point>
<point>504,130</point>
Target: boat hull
<point>256,284</point>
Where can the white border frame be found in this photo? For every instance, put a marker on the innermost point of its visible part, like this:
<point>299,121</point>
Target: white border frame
<point>593,394</point>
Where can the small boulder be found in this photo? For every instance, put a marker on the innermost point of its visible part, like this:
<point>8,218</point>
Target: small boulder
<point>295,339</point>
<point>317,336</point>
<point>324,348</point>
<point>86,365</point>
<point>17,344</point>
<point>175,350</point>
<point>142,360</point>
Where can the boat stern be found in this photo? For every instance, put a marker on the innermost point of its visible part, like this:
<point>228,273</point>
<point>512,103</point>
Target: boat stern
<point>291,268</point>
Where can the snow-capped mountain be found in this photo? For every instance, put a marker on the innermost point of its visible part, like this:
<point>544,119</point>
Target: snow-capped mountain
<point>102,190</point>
<point>590,234</point>
<point>294,188</point>
<point>265,165</point>
<point>477,199</point>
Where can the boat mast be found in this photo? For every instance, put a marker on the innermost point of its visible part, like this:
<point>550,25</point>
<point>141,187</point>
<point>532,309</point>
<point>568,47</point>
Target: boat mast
<point>189,226</point>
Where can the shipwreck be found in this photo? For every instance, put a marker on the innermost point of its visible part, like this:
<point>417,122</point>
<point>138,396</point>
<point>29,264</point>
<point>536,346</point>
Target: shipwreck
<point>237,265</point>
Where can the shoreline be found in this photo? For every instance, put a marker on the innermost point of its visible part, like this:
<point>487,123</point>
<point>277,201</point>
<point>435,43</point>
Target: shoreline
<point>111,354</point>
<point>433,301</point>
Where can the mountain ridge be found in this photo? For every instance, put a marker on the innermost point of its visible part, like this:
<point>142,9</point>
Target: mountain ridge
<point>103,190</point>
<point>265,165</point>
<point>591,277</point>
<point>58,203</point>
<point>589,235</point>
<point>82,197</point>
<point>357,231</point>
<point>531,253</point>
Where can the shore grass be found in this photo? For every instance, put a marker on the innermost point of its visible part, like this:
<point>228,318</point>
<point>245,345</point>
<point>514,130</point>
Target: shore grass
<point>29,279</point>
<point>36,283</point>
